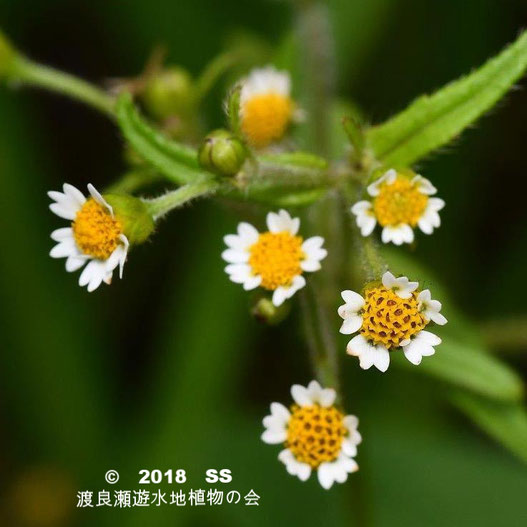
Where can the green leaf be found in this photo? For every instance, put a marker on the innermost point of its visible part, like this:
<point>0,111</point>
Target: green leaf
<point>177,162</point>
<point>432,121</point>
<point>507,423</point>
<point>472,369</point>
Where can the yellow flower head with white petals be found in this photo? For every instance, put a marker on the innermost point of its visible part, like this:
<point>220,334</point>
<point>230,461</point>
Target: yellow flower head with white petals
<point>95,236</point>
<point>316,435</point>
<point>275,259</point>
<point>266,107</point>
<point>400,203</point>
<point>392,314</point>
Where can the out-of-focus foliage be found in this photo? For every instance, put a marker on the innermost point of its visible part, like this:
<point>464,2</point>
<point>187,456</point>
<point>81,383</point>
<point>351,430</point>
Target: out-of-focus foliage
<point>78,372</point>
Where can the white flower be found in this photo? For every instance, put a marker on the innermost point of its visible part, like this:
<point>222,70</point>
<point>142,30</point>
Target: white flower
<point>94,238</point>
<point>274,260</point>
<point>430,308</point>
<point>308,446</point>
<point>266,107</point>
<point>389,316</point>
<point>399,204</point>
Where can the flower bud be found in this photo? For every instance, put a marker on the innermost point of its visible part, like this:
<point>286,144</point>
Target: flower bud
<point>169,92</point>
<point>133,214</point>
<point>265,311</point>
<point>222,153</point>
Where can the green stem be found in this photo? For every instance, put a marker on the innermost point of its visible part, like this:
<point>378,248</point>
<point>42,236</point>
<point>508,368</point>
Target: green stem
<point>28,72</point>
<point>320,339</point>
<point>159,207</point>
<point>318,67</point>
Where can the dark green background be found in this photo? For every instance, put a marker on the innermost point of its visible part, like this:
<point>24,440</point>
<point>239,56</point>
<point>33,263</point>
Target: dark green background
<point>165,369</point>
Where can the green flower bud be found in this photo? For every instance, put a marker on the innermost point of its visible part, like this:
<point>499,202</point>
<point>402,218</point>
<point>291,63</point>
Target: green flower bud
<point>169,93</point>
<point>265,311</point>
<point>222,153</point>
<point>133,214</point>
<point>7,53</point>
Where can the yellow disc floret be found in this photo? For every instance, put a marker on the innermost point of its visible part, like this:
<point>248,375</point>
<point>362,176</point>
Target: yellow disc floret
<point>276,257</point>
<point>96,231</point>
<point>388,319</point>
<point>315,434</point>
<point>265,118</point>
<point>399,202</point>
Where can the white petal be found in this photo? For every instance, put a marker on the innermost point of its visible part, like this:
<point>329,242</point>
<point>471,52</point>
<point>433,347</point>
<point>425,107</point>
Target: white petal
<point>279,296</point>
<point>59,235</point>
<point>247,233</point>
<point>436,204</point>
<point>361,207</point>
<point>74,263</point>
<point>349,448</point>
<point>301,395</point>
<point>402,287</point>
<point>351,324</point>
<point>280,412</point>
<point>421,346</point>
<point>93,274</point>
<point>293,466</point>
<point>347,464</point>
<point>388,177</point>
<point>438,318</point>
<point>424,296</point>
<point>354,301</point>
<point>428,337</point>
<point>274,437</point>
<point>282,222</point>
<point>64,249</point>
<point>97,196</point>
<point>423,185</point>
<point>235,256</point>
<point>65,212</point>
<point>327,397</point>
<point>366,224</point>
<point>388,280</point>
<point>381,358</point>
<point>326,474</point>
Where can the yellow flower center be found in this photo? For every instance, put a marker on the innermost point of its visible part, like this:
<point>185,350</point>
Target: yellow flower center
<point>315,433</point>
<point>399,202</point>
<point>276,258</point>
<point>95,231</point>
<point>389,319</point>
<point>265,118</point>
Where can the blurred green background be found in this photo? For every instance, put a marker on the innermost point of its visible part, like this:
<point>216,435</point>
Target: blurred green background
<point>166,369</point>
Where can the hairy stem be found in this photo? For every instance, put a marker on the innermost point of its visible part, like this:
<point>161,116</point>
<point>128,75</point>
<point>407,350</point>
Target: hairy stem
<point>27,72</point>
<point>159,207</point>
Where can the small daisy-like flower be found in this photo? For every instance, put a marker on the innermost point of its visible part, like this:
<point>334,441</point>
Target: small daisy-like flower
<point>391,315</point>
<point>316,435</point>
<point>95,237</point>
<point>275,259</point>
<point>266,107</point>
<point>399,204</point>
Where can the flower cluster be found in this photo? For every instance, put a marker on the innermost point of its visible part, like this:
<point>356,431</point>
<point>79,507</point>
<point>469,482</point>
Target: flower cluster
<point>390,314</point>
